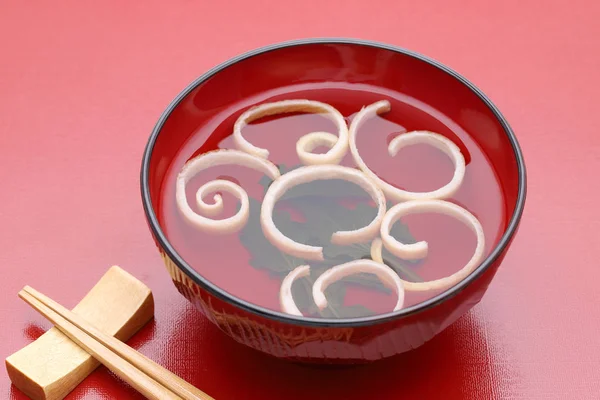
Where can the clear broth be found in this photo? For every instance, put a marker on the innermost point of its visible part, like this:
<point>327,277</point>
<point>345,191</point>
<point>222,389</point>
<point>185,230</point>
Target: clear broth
<point>244,265</point>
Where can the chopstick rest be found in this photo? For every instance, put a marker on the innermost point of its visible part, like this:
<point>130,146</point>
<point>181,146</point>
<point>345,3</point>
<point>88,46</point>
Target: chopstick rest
<point>147,377</point>
<point>52,366</point>
<point>119,366</point>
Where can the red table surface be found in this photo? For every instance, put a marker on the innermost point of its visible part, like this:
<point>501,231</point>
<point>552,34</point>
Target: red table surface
<point>82,84</point>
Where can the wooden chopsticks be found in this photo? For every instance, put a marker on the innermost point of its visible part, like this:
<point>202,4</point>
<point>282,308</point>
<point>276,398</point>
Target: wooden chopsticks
<point>147,377</point>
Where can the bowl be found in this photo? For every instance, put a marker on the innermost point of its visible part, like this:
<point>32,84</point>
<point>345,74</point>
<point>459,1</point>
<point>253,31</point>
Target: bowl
<point>317,340</point>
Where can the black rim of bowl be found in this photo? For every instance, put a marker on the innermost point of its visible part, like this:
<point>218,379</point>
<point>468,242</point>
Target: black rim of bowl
<point>328,322</point>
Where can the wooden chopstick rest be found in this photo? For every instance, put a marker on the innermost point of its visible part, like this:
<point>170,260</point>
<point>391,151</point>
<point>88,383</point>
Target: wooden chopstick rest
<point>52,366</point>
<point>72,324</point>
<point>121,367</point>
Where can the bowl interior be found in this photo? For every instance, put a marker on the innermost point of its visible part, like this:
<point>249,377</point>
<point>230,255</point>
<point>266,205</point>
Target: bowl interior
<point>239,83</point>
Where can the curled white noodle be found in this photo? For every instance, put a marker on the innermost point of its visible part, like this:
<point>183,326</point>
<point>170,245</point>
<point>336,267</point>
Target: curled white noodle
<point>387,276</point>
<point>377,250</point>
<point>419,250</point>
<point>307,143</point>
<point>434,139</point>
<point>308,174</point>
<point>286,299</point>
<point>211,159</point>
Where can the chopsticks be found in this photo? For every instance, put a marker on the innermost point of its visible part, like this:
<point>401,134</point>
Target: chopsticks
<point>147,377</point>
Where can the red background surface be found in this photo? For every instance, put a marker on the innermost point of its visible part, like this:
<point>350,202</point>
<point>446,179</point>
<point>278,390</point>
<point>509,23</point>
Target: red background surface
<point>82,84</point>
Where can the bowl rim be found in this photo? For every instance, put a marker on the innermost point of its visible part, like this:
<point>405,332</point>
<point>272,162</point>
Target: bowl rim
<point>264,312</point>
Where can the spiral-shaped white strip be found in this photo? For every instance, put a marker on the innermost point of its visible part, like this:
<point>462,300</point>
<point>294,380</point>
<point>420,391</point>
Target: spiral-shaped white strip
<point>387,276</point>
<point>214,158</point>
<point>419,250</point>
<point>434,139</point>
<point>308,174</point>
<point>307,143</point>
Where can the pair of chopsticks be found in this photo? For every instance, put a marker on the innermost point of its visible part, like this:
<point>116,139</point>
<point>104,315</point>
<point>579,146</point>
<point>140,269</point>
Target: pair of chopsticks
<point>147,377</point>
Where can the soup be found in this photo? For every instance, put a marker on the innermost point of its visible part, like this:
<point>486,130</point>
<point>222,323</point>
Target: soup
<point>345,203</point>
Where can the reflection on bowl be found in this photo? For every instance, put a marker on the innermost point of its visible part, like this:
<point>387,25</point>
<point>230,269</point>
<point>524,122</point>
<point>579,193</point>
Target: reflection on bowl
<point>331,62</point>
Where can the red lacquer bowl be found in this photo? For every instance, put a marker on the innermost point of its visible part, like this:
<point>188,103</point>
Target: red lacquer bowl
<point>333,60</point>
